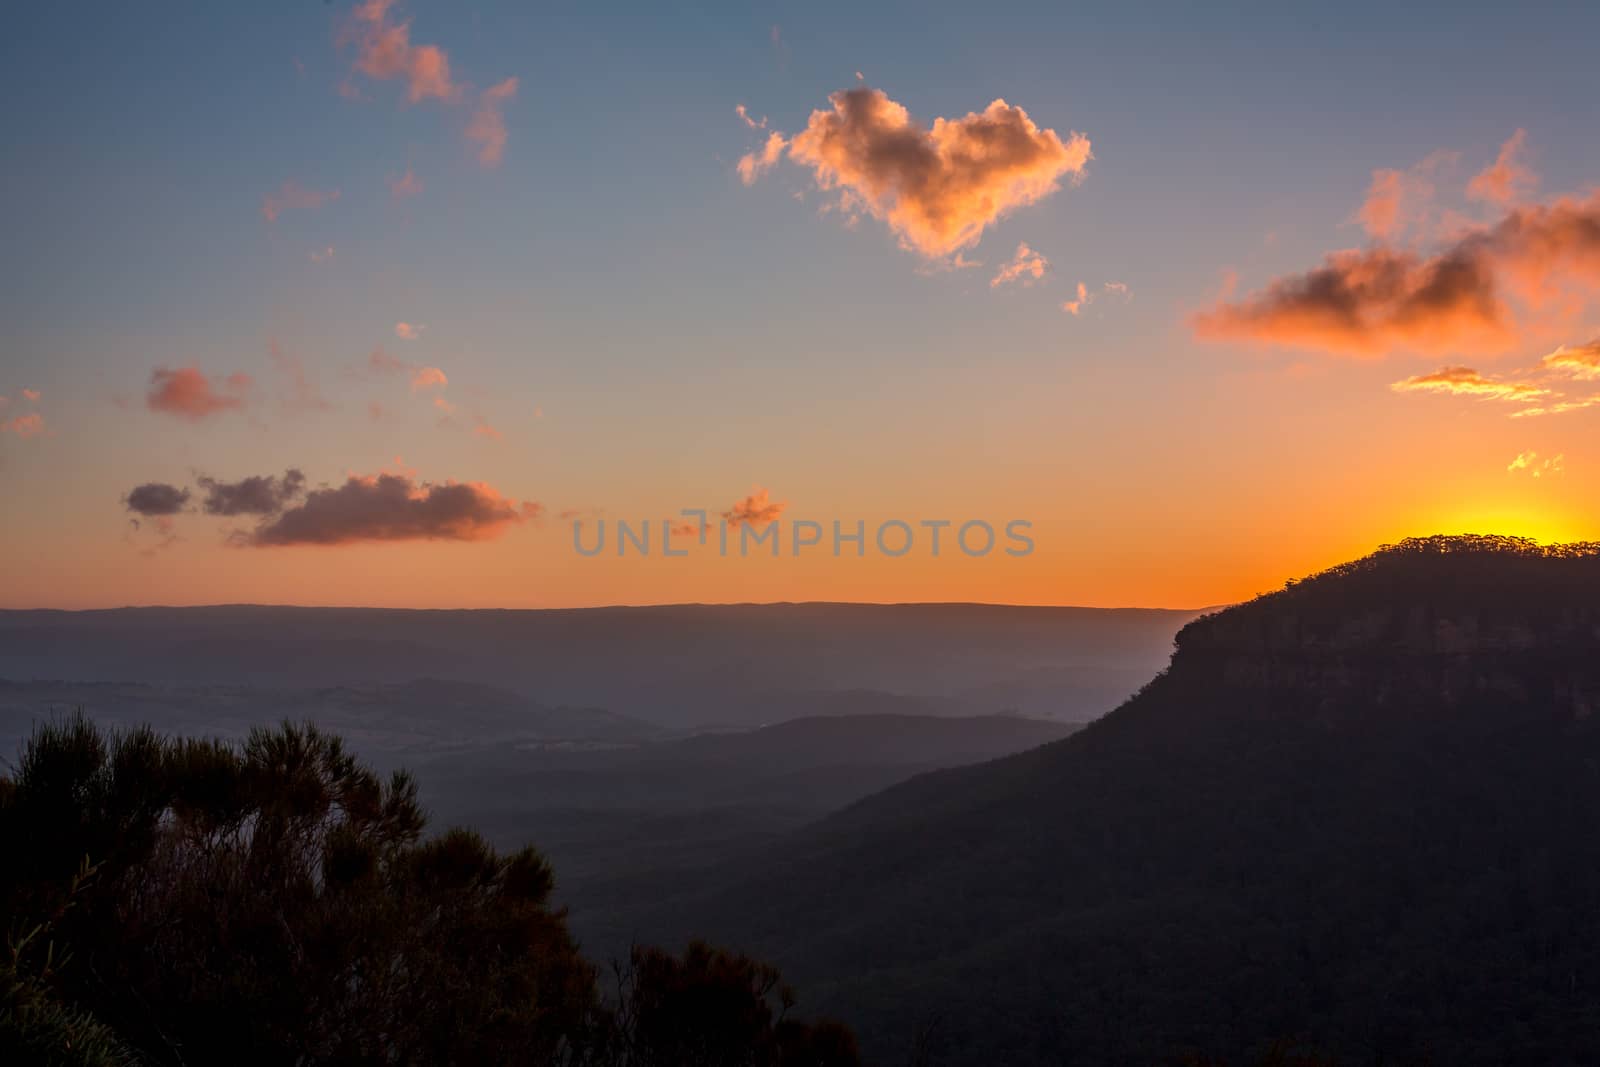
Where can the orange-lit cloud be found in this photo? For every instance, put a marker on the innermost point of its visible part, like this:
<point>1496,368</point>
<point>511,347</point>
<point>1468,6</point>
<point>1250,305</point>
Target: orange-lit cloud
<point>753,165</point>
<point>188,393</point>
<point>1507,179</point>
<point>292,196</point>
<point>391,507</point>
<point>1530,462</point>
<point>488,126</point>
<point>482,428</point>
<point>427,378</point>
<point>384,52</point>
<point>744,116</point>
<point>1073,307</point>
<point>1027,266</point>
<point>755,509</point>
<point>408,331</point>
<point>29,425</point>
<point>1582,361</point>
<point>1374,301</point>
<point>1464,381</point>
<point>936,188</point>
<point>31,395</point>
<point>1085,296</point>
<point>1559,407</point>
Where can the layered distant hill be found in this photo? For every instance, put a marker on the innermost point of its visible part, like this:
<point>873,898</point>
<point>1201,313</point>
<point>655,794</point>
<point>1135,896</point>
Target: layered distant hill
<point>1361,814</point>
<point>675,666</point>
<point>389,724</point>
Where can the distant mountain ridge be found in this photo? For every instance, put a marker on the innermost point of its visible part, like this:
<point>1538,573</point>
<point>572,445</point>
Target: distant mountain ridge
<point>678,666</point>
<point>1361,814</point>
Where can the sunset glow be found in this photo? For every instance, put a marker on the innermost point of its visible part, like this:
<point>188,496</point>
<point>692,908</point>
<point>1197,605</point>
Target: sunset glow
<point>380,322</point>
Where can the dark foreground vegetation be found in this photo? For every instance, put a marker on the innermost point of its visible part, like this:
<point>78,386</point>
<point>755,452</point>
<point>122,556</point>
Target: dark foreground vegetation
<point>191,902</point>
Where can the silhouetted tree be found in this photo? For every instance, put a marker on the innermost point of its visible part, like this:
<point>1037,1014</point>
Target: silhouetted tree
<point>276,902</point>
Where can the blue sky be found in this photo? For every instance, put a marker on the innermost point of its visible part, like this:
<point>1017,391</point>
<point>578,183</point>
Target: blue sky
<point>684,336</point>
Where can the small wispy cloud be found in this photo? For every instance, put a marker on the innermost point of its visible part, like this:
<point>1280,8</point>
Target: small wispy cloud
<point>1085,296</point>
<point>488,126</point>
<point>1465,381</point>
<point>755,510</point>
<point>1530,463</point>
<point>428,378</point>
<point>292,196</point>
<point>407,185</point>
<point>1027,266</point>
<point>1508,178</point>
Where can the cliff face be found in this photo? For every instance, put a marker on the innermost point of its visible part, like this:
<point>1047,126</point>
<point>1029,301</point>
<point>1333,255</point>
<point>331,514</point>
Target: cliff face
<point>1425,622</point>
<point>1363,810</point>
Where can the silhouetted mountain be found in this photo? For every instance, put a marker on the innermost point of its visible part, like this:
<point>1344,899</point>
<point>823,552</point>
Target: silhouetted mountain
<point>1362,813</point>
<point>679,666</point>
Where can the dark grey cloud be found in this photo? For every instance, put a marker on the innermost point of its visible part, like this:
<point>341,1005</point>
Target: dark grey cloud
<point>156,498</point>
<point>392,507</point>
<point>256,495</point>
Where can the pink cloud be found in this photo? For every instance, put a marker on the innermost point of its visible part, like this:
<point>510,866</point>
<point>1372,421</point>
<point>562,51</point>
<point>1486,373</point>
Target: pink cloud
<point>408,331</point>
<point>303,393</point>
<point>936,188</point>
<point>384,52</point>
<point>292,196</point>
<point>1399,199</point>
<point>488,126</point>
<point>1507,178</point>
<point>407,185</point>
<point>31,395</point>
<point>29,425</point>
<point>384,363</point>
<point>188,393</point>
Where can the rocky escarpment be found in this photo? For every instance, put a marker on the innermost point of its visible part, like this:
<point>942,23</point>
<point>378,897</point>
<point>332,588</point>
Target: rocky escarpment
<point>1493,621</point>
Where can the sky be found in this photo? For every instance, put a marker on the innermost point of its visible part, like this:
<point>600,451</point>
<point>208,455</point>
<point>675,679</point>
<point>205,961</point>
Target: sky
<point>400,304</point>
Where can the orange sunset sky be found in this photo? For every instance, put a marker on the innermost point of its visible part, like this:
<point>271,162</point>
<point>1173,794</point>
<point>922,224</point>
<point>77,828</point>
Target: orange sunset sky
<point>372,304</point>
